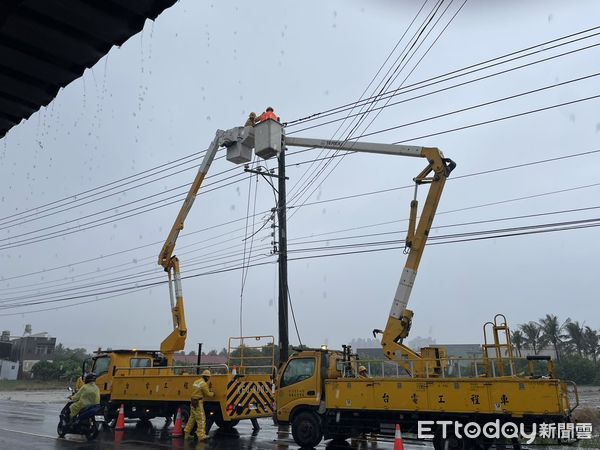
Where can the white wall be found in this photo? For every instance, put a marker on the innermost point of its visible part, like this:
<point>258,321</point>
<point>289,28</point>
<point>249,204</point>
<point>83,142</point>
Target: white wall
<point>8,370</point>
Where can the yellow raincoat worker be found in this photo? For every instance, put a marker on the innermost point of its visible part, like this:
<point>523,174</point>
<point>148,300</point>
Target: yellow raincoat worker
<point>200,391</point>
<point>87,395</point>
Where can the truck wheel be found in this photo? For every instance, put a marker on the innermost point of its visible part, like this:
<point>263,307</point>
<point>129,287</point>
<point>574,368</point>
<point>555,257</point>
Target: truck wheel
<point>306,429</point>
<point>226,425</point>
<point>450,442</point>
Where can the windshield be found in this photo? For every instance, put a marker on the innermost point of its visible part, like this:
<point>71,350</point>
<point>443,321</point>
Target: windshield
<point>298,369</point>
<point>101,365</point>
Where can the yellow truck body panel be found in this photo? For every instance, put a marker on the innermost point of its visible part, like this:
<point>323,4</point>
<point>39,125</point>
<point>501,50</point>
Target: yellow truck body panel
<point>517,397</point>
<point>241,397</point>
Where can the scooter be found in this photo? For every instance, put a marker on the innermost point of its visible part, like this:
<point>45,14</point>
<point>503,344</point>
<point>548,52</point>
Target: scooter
<point>84,423</point>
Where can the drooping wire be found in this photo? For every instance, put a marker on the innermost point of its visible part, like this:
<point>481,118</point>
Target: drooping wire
<point>462,237</point>
<point>244,268</point>
<point>494,170</point>
<point>291,193</point>
<point>541,47</point>
<point>348,138</point>
<point>293,315</point>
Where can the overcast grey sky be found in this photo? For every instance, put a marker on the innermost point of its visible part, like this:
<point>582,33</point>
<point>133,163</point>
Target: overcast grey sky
<point>203,66</point>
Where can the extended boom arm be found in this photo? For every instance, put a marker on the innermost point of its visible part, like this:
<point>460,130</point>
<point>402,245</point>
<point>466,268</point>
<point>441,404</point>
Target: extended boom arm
<point>175,341</point>
<point>435,174</point>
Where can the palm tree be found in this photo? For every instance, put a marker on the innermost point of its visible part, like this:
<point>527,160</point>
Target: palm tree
<point>532,336</point>
<point>591,343</point>
<point>552,331</point>
<point>574,332</point>
<point>517,339</point>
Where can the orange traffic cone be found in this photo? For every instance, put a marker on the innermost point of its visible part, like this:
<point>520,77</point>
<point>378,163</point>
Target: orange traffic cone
<point>119,436</point>
<point>120,426</point>
<point>177,428</point>
<point>398,444</point>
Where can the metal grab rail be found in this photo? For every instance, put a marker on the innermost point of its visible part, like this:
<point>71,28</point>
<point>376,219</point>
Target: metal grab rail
<point>574,386</point>
<point>456,367</point>
<point>242,354</point>
<point>160,370</point>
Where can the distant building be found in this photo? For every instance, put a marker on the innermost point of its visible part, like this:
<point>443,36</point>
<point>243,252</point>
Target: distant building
<point>30,349</point>
<point>9,370</point>
<point>5,345</point>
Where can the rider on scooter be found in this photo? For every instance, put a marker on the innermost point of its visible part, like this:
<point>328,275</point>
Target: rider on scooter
<point>87,395</point>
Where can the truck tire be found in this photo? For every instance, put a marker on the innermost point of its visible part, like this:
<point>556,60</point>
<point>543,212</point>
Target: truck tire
<point>450,442</point>
<point>306,429</point>
<point>226,425</point>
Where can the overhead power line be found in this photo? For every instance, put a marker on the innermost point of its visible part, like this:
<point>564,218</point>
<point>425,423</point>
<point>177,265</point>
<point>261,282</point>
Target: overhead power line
<point>447,88</point>
<point>82,195</point>
<point>541,47</point>
<point>384,246</point>
<point>298,241</point>
<point>545,46</point>
<point>335,199</point>
<point>398,70</point>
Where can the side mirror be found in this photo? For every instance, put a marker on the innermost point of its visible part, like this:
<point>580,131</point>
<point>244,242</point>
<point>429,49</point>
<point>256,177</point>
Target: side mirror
<point>70,389</point>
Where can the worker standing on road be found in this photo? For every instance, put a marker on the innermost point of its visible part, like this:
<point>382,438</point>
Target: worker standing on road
<point>362,372</point>
<point>268,114</point>
<point>200,391</point>
<point>87,395</point>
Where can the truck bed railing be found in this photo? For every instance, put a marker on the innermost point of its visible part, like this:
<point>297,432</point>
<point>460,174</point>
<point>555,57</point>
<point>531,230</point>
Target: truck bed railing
<point>252,354</point>
<point>215,369</point>
<point>572,395</point>
<point>455,367</point>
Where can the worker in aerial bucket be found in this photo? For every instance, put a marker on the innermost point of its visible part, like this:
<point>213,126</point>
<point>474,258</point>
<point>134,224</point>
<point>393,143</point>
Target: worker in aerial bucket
<point>268,114</point>
<point>251,121</point>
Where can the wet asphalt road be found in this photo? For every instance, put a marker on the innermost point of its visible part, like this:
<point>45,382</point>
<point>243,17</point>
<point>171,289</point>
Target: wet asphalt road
<point>26,425</point>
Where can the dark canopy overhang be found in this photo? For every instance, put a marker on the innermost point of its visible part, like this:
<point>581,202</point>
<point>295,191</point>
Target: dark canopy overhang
<point>46,44</point>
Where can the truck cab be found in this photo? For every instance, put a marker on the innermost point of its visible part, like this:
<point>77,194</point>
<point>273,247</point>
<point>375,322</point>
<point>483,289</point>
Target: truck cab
<point>104,363</point>
<point>300,387</point>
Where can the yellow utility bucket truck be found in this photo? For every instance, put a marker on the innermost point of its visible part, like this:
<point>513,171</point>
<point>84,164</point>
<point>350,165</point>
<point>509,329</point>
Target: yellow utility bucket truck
<point>319,393</point>
<point>150,384</point>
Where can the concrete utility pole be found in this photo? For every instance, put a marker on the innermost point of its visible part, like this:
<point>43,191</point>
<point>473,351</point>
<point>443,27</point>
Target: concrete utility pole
<point>283,281</point>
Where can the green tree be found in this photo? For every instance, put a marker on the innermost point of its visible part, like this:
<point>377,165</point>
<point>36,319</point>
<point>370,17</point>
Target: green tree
<point>591,344</point>
<point>552,331</point>
<point>532,336</point>
<point>517,340</point>
<point>578,369</point>
<point>65,365</point>
<point>574,333</point>
<point>45,370</point>
<point>62,353</point>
